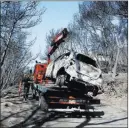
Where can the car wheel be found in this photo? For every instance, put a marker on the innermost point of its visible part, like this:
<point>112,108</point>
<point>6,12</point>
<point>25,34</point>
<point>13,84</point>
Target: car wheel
<point>60,80</point>
<point>95,91</point>
<point>43,104</point>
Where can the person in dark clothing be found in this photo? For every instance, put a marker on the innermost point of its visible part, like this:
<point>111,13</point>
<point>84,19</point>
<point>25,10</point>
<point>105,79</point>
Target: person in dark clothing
<point>27,83</point>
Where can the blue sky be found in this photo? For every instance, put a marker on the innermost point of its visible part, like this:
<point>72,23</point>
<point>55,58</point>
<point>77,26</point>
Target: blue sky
<point>57,15</point>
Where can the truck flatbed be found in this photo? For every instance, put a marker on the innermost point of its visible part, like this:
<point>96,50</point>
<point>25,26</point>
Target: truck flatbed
<point>63,100</point>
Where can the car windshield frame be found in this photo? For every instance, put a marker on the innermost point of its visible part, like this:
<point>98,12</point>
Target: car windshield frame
<point>61,56</point>
<point>86,59</point>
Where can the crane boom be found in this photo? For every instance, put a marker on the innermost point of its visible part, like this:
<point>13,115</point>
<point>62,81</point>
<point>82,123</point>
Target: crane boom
<point>40,68</point>
<point>58,39</point>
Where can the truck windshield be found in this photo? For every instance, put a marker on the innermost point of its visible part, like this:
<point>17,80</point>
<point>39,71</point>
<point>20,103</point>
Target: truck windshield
<point>86,59</point>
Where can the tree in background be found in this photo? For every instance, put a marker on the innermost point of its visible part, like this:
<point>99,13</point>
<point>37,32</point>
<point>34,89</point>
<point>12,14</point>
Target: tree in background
<point>16,19</point>
<point>99,29</point>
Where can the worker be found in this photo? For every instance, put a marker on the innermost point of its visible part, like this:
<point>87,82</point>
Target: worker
<point>26,82</point>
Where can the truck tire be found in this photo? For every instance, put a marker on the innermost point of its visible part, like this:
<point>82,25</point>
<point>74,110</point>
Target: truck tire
<point>43,104</point>
<point>34,94</point>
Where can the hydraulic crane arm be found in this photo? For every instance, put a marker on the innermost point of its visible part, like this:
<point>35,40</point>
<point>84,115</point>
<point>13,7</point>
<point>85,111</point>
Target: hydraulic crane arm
<point>58,39</point>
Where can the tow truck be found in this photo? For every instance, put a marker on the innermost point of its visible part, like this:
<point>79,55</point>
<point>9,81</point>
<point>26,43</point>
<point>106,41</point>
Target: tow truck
<point>53,98</point>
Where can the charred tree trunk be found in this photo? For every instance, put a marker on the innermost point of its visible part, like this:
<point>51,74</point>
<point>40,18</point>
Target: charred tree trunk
<point>115,65</point>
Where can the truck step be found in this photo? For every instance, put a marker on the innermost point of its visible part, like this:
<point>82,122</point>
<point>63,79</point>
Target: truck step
<point>81,112</point>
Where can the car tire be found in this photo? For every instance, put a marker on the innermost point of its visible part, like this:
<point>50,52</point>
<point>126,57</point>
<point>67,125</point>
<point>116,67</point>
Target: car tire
<point>95,91</point>
<point>58,80</point>
<point>43,104</point>
<point>62,80</point>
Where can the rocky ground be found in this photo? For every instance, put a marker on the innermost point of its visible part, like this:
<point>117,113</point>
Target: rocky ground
<point>17,113</point>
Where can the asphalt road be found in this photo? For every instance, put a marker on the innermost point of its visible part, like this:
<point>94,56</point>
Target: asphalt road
<point>15,112</point>
<point>114,117</point>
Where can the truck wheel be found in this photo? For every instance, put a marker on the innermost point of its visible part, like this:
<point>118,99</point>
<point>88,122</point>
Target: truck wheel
<point>43,104</point>
<point>34,94</point>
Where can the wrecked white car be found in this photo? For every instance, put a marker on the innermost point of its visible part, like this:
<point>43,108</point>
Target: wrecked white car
<point>76,71</point>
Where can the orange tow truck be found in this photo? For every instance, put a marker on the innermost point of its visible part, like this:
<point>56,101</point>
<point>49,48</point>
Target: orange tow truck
<point>40,68</point>
<point>52,97</point>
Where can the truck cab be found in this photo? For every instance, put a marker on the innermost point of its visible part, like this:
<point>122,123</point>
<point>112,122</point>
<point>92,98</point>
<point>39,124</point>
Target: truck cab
<point>39,72</point>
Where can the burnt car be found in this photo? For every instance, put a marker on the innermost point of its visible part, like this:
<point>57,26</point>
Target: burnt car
<point>77,71</point>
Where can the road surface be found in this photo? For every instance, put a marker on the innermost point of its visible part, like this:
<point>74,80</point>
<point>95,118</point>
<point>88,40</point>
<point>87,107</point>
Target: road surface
<point>16,112</point>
